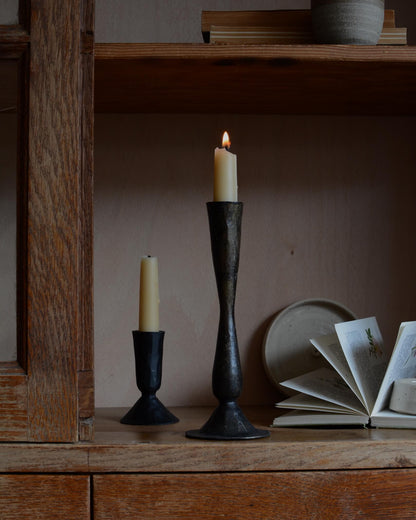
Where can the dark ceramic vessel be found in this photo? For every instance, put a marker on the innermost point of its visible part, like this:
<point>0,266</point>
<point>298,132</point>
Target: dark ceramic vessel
<point>357,22</point>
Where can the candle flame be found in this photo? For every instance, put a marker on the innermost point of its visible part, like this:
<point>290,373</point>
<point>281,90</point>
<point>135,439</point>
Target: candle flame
<point>226,143</point>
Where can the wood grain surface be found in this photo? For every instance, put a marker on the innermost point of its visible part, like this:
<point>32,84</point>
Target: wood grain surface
<point>148,449</point>
<point>285,79</point>
<point>13,407</point>
<point>262,496</point>
<point>13,34</point>
<point>53,222</point>
<point>44,497</point>
<point>54,292</point>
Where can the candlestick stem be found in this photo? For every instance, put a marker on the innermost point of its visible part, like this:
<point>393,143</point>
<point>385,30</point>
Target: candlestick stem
<point>227,422</point>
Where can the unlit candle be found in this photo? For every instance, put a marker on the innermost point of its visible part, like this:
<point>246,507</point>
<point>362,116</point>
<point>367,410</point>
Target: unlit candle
<point>149,295</point>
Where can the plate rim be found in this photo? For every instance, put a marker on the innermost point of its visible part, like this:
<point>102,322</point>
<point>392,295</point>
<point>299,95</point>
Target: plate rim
<point>282,313</point>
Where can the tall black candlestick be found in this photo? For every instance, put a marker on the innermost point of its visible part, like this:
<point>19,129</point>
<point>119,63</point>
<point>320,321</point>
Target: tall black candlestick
<point>227,422</point>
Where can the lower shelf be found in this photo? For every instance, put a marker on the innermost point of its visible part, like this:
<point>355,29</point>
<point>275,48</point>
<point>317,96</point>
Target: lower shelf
<point>120,448</point>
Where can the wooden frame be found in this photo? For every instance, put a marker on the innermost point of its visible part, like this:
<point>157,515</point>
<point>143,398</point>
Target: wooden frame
<point>39,398</point>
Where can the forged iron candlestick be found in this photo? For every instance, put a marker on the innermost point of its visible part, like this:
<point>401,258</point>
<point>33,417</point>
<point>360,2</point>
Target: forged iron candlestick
<point>148,353</point>
<point>227,422</point>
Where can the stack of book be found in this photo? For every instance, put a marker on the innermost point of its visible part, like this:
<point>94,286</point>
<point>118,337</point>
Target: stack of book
<point>278,27</point>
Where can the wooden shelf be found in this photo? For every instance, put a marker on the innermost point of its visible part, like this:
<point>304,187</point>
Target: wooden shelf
<point>263,79</point>
<point>121,448</point>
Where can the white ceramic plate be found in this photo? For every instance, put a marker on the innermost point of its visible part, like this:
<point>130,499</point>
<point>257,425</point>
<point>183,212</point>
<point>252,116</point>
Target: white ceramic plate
<point>287,351</point>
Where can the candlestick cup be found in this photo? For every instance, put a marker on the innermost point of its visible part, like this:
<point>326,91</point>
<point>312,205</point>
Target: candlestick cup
<point>148,352</point>
<point>227,422</point>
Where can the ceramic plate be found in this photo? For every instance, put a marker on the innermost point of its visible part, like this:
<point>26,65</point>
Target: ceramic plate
<point>287,351</point>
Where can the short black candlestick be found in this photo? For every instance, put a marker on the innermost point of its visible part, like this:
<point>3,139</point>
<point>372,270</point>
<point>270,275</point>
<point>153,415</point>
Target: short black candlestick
<point>148,353</point>
<point>227,422</point>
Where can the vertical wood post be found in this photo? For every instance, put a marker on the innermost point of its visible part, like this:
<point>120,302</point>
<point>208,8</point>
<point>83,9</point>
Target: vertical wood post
<point>58,256</point>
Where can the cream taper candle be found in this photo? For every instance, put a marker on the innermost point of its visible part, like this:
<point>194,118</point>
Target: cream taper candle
<point>225,172</point>
<point>149,295</point>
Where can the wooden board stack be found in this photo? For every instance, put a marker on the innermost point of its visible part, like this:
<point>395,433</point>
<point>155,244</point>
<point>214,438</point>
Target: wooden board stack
<point>278,27</point>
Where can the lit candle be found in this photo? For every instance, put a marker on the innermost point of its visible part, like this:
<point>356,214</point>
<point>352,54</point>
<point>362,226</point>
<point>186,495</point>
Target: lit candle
<point>149,295</point>
<point>225,172</point>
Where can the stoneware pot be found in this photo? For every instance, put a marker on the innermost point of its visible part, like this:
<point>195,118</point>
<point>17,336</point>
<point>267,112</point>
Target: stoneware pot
<point>358,22</point>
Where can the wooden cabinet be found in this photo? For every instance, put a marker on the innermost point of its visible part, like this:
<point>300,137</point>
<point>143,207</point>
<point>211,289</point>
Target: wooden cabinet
<point>40,400</point>
<point>46,397</point>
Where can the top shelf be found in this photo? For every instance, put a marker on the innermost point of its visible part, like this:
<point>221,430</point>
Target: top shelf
<point>262,79</point>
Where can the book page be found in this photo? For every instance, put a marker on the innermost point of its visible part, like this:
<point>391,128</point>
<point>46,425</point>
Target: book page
<point>325,383</point>
<point>402,363</point>
<point>364,350</point>
<point>308,402</point>
<point>330,347</point>
<point>298,418</point>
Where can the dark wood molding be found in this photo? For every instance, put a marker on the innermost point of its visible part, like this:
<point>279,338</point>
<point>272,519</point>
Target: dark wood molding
<point>13,375</point>
<point>13,34</point>
<point>24,14</point>
<point>86,333</point>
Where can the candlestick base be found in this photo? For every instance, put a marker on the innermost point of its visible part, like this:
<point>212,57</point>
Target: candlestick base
<point>148,352</point>
<point>228,422</point>
<point>148,410</point>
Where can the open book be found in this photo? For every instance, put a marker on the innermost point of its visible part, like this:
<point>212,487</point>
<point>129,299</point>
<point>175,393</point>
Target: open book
<point>356,386</point>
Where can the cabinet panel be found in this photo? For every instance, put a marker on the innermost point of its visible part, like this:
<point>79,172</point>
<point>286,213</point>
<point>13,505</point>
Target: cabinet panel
<point>287,496</point>
<point>44,497</point>
<point>51,380</point>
